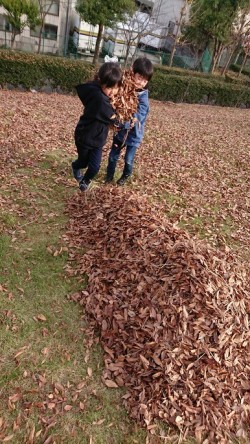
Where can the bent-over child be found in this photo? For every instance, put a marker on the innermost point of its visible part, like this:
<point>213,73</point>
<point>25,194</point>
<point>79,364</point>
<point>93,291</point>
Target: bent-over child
<point>131,138</point>
<point>91,131</point>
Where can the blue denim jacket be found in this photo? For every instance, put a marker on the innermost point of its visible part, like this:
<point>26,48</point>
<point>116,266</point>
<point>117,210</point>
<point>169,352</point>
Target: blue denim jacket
<point>136,133</point>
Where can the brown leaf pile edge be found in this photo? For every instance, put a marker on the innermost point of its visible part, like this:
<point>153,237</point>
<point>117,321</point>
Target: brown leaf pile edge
<point>173,315</point>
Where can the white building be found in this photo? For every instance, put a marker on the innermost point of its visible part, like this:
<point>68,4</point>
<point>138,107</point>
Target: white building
<point>84,36</point>
<point>55,33</point>
<point>168,12</point>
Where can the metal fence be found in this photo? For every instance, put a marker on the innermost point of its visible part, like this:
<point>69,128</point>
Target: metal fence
<point>197,63</point>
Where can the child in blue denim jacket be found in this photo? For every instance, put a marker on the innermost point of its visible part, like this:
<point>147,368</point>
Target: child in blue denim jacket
<point>131,137</point>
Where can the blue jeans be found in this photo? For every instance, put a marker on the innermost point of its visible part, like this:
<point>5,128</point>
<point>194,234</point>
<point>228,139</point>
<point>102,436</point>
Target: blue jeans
<point>129,160</point>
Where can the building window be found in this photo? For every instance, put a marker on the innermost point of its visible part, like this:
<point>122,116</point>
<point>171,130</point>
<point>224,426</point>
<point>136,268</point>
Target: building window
<point>49,32</point>
<point>54,8</point>
<point>4,23</point>
<point>171,26</point>
<point>50,7</point>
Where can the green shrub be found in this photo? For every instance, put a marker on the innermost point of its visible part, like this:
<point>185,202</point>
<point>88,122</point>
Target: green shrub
<point>193,89</point>
<point>245,70</point>
<point>217,76</point>
<point>177,85</point>
<point>33,70</point>
<point>230,77</point>
<point>183,72</point>
<point>180,88</point>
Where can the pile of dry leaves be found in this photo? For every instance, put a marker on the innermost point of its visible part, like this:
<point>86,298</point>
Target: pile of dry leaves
<point>173,314</point>
<point>126,100</point>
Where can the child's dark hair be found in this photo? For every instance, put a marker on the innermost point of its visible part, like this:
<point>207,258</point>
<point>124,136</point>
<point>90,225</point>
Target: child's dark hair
<point>109,74</point>
<point>144,67</point>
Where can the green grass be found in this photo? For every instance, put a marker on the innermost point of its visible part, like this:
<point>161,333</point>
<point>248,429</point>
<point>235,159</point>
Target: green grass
<point>8,220</point>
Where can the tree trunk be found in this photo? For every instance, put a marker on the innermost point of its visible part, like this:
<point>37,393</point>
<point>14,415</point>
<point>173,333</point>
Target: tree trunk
<point>175,42</point>
<point>40,40</point>
<point>182,15</point>
<point>237,56</point>
<point>225,68</point>
<point>126,54</point>
<point>238,37</point>
<point>217,52</point>
<point>173,51</point>
<point>13,37</point>
<point>42,16</point>
<point>98,43</point>
<point>128,38</point>
<point>12,41</point>
<point>243,63</point>
<point>214,59</point>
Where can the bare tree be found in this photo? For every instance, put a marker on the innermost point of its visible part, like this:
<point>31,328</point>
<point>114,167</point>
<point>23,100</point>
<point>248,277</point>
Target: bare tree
<point>218,49</point>
<point>134,29</point>
<point>44,9</point>
<point>239,29</point>
<point>212,21</point>
<point>180,23</point>
<point>246,50</point>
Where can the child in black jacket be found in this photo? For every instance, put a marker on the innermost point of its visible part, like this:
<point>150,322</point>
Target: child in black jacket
<point>92,129</point>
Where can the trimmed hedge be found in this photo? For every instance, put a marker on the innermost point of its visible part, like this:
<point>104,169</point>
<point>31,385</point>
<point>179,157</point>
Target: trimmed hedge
<point>35,71</point>
<point>243,80</point>
<point>198,90</point>
<point>182,72</point>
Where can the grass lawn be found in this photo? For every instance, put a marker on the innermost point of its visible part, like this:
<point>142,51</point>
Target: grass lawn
<point>194,162</point>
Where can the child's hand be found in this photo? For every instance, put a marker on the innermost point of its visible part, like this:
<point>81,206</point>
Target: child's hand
<point>118,143</point>
<point>133,122</point>
<point>114,121</point>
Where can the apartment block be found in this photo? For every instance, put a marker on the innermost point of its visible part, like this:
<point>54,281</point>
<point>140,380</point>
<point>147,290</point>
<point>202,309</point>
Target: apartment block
<point>54,35</point>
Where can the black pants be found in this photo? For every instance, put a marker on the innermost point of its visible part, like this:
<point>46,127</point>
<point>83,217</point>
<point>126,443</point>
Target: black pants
<point>89,158</point>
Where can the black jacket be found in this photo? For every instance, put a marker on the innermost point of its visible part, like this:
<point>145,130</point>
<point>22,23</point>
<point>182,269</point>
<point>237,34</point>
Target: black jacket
<point>92,128</point>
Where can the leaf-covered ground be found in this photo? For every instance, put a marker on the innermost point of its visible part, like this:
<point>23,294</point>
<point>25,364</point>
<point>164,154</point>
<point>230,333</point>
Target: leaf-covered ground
<point>194,158</point>
<point>193,163</point>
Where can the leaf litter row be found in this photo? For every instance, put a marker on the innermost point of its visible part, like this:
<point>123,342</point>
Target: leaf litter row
<point>172,311</point>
